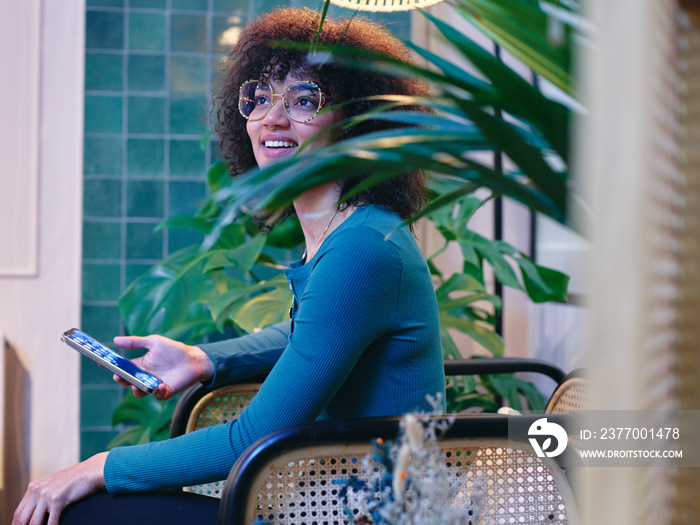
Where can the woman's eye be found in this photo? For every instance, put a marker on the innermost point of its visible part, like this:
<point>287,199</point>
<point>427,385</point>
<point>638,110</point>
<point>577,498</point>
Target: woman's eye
<point>261,100</point>
<point>305,102</point>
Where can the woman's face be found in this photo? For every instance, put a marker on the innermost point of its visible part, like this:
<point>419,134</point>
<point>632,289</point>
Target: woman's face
<point>276,136</point>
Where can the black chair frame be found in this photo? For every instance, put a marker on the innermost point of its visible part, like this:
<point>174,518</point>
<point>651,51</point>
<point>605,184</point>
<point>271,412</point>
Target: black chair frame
<point>242,476</point>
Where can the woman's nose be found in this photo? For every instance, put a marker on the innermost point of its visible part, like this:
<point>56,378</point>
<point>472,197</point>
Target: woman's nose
<point>276,116</point>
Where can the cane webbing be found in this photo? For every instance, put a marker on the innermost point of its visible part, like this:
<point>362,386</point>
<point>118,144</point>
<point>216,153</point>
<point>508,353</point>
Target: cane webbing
<point>216,408</point>
<point>570,396</point>
<point>493,485</point>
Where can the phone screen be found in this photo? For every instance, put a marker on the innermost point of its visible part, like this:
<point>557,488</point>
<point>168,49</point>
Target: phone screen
<point>106,357</point>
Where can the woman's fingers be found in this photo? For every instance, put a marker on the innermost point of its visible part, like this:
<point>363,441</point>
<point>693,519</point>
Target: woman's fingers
<point>131,341</point>
<point>37,502</point>
<point>53,493</point>
<point>30,506</point>
<point>38,516</point>
<point>54,517</point>
<point>163,392</point>
<point>55,509</point>
<point>137,392</point>
<point>24,510</point>
<point>120,380</point>
<point>176,364</point>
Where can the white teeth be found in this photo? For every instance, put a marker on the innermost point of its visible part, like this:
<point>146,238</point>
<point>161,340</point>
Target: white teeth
<point>279,144</point>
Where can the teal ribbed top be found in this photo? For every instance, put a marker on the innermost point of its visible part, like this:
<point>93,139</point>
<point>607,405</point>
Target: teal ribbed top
<point>364,340</point>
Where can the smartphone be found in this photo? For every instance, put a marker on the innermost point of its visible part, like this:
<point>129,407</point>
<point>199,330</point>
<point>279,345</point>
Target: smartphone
<point>111,360</point>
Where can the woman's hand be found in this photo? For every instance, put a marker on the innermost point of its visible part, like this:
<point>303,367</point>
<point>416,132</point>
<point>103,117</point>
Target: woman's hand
<point>178,365</point>
<point>53,493</point>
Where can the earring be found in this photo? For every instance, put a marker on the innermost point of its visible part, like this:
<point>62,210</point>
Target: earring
<point>272,128</point>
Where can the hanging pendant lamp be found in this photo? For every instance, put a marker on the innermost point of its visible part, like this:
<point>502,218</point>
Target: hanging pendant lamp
<point>384,5</point>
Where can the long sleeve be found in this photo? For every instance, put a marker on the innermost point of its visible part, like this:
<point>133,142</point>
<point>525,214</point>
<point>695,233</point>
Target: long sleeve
<point>349,301</point>
<point>247,356</point>
<point>346,335</point>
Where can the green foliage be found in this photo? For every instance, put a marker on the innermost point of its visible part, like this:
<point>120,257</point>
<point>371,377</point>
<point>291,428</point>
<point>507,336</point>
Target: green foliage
<point>467,119</point>
<point>537,34</point>
<point>231,282</point>
<point>466,306</point>
<point>148,417</point>
<point>195,292</point>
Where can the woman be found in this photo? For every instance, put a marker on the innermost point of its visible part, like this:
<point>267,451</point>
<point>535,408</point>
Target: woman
<point>363,339</point>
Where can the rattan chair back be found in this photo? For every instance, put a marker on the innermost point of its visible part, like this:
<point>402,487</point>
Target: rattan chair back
<point>495,481</point>
<point>570,396</point>
<point>215,408</point>
<point>201,407</point>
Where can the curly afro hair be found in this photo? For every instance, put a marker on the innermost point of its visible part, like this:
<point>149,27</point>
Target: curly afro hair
<point>257,55</point>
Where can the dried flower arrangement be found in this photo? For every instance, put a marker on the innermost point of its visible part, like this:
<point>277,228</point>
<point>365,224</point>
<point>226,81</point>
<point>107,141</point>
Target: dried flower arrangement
<point>408,483</point>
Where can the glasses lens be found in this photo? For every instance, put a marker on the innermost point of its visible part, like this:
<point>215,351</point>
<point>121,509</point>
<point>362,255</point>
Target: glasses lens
<point>302,100</point>
<point>254,99</point>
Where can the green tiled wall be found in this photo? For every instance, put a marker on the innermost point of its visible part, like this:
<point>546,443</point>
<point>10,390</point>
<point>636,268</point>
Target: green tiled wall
<point>148,73</point>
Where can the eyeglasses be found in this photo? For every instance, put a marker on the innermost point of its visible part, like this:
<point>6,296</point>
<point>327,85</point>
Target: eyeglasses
<point>301,100</point>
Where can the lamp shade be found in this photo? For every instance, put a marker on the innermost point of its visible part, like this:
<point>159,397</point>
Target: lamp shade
<point>384,5</point>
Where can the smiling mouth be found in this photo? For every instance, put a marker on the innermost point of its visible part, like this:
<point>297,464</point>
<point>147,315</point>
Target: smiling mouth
<point>279,144</point>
